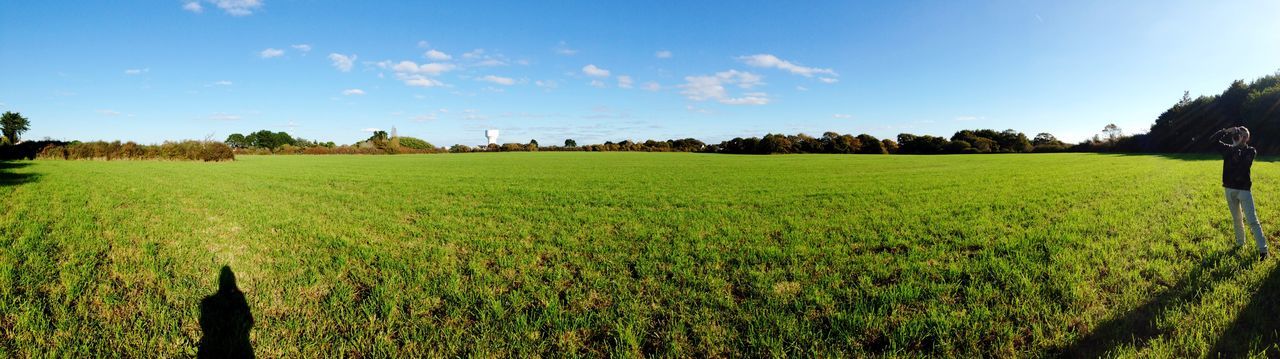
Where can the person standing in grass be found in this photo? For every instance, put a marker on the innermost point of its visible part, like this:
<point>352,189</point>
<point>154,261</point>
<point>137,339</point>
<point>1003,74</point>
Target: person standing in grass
<point>1237,158</point>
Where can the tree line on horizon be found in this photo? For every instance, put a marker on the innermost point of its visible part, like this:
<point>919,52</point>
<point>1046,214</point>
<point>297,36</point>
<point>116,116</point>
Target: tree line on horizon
<point>267,142</point>
<point>1183,128</point>
<point>965,141</point>
<point>1187,125</point>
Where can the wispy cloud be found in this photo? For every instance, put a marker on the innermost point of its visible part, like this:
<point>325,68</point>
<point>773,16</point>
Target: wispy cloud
<point>593,71</point>
<point>111,113</point>
<point>302,47</point>
<point>546,84</point>
<point>663,54</point>
<point>224,117</point>
<point>712,87</point>
<point>624,81</point>
<point>563,49</point>
<point>652,86</point>
<point>342,62</point>
<point>470,114</point>
<point>193,6</point>
<point>238,7</point>
<point>505,81</point>
<point>353,92</point>
<point>219,83</point>
<point>137,71</point>
<point>271,52</point>
<point>770,61</point>
<point>842,116</point>
<point>371,129</point>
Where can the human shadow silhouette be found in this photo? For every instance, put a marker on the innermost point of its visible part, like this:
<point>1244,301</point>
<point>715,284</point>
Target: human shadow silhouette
<point>1139,325</point>
<point>8,178</point>
<point>225,320</point>
<point>1257,326</point>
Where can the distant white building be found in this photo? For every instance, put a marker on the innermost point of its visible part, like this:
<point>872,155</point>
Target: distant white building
<point>492,135</point>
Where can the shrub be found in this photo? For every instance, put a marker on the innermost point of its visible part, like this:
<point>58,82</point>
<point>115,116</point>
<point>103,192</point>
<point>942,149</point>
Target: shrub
<point>415,143</point>
<point>183,150</point>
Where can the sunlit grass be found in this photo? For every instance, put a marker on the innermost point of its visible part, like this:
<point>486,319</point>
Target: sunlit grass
<point>520,254</point>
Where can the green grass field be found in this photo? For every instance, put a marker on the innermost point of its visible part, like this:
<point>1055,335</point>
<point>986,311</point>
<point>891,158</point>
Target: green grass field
<point>592,254</point>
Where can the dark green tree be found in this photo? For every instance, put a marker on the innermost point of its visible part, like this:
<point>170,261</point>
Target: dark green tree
<point>872,145</point>
<point>236,140</point>
<point>12,125</point>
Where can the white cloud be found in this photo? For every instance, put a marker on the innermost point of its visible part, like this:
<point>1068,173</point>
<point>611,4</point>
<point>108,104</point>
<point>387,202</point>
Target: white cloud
<point>270,52</point>
<point>505,81</point>
<point>420,75</point>
<point>419,80</point>
<point>424,44</point>
<point>841,115</point>
<point>624,81</point>
<point>219,83</point>
<point>712,87</point>
<point>109,113</point>
<point>193,6</point>
<point>238,7</point>
<point>137,71</point>
<point>350,92</point>
<point>410,67</point>
<point>802,88</point>
<point>652,86</point>
<point>473,54</point>
<point>342,62</point>
<point>224,117</point>
<point>597,84</point>
<point>767,61</point>
<point>302,47</point>
<point>664,54</point>
<point>828,80</point>
<point>592,70</point>
<point>371,129</point>
<point>563,49</point>
<point>437,55</point>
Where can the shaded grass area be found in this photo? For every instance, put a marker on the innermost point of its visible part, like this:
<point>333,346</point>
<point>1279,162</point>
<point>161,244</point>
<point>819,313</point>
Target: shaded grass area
<point>593,254</point>
<point>9,176</point>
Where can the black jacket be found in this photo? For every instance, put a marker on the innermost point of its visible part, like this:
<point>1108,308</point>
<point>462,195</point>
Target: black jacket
<point>1236,161</point>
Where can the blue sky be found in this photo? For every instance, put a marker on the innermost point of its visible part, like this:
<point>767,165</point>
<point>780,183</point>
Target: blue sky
<point>603,70</point>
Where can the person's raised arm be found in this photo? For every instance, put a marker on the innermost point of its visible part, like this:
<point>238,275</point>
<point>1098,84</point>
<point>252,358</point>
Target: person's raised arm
<point>1216,140</point>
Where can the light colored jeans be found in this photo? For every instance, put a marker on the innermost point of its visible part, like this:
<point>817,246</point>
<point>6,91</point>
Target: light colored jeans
<point>1242,201</point>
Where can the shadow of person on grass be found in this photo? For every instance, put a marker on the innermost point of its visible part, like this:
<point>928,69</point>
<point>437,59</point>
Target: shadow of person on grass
<point>1257,326</point>
<point>225,320</point>
<point>1139,325</point>
<point>8,178</point>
